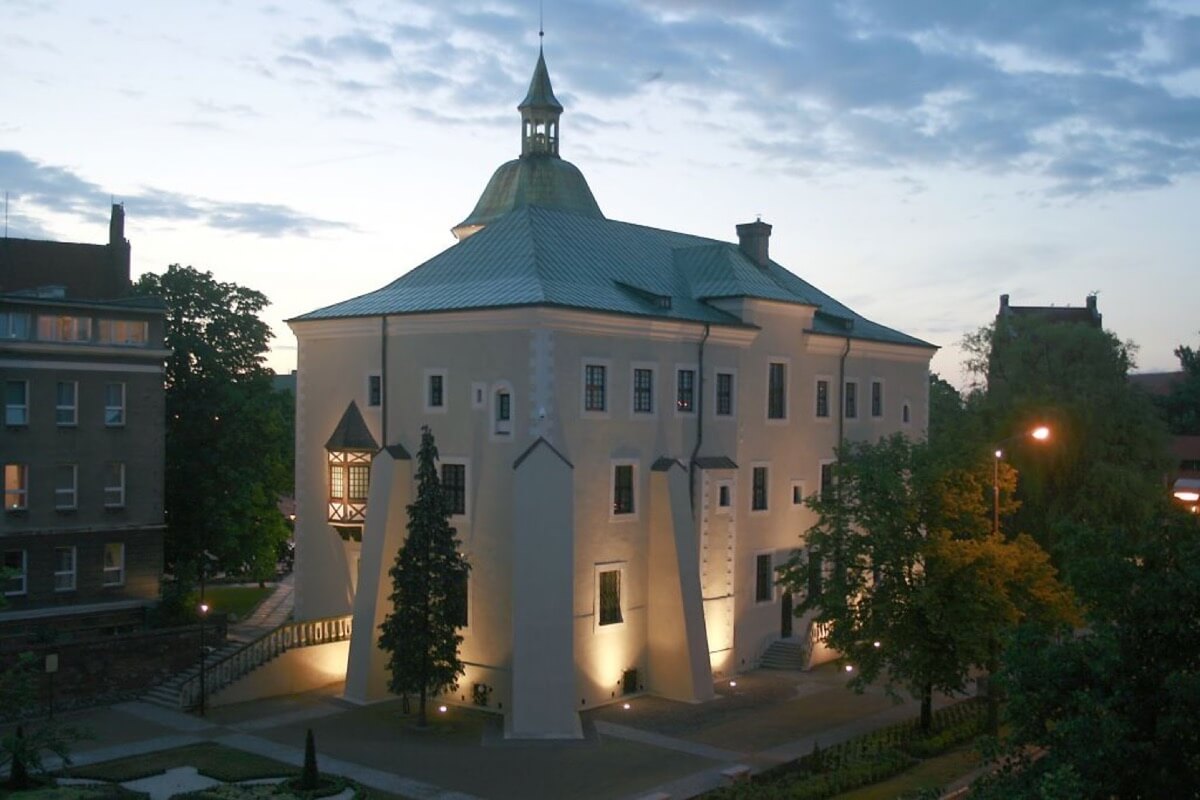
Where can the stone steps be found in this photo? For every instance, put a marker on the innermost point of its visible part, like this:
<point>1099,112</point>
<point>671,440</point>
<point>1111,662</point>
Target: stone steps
<point>785,654</point>
<point>166,694</point>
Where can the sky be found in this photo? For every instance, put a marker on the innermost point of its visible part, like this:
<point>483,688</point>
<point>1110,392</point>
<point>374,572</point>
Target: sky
<point>917,159</point>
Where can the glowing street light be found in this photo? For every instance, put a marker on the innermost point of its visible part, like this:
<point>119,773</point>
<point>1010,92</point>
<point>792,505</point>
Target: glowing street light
<point>203,654</point>
<point>1041,433</point>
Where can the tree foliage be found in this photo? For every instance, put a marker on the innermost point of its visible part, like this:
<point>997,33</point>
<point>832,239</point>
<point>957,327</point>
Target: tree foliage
<point>428,578</point>
<point>910,562</point>
<point>1182,406</point>
<point>229,437</point>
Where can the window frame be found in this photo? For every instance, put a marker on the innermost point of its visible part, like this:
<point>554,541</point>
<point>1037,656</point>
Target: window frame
<point>725,486</point>
<point>22,572</point>
<point>827,381</point>
<point>634,369</point>
<point>22,407</point>
<point>66,415</point>
<point>374,393</point>
<point>73,572</point>
<point>877,398</point>
<point>22,488</point>
<point>798,487</point>
<point>634,499</point>
<point>59,490</point>
<point>107,570</point>
<point>109,408</point>
<point>427,384</point>
<point>693,390</point>
<point>122,487</point>
<point>831,463</point>
<point>732,375</point>
<point>465,463</point>
<point>765,468</point>
<point>586,409</point>
<point>850,398</point>
<point>769,555</point>
<point>501,430</point>
<point>9,332</point>
<point>619,567</point>
<point>785,366</point>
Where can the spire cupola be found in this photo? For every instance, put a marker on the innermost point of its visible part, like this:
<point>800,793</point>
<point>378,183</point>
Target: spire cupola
<point>539,114</point>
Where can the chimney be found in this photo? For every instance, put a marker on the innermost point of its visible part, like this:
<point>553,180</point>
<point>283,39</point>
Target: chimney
<point>116,225</point>
<point>119,253</point>
<point>754,240</point>
<point>1093,311</point>
<point>1003,303</point>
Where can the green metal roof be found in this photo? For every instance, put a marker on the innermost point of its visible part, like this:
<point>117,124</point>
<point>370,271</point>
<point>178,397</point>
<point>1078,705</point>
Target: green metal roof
<point>541,93</point>
<point>535,256</point>
<point>351,432</point>
<point>535,180</point>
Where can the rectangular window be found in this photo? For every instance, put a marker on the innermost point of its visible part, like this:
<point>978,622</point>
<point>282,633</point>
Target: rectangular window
<point>65,329</point>
<point>454,487</point>
<point>124,331</point>
<point>723,498</point>
<point>763,584</point>
<point>685,391</point>
<point>776,390</point>
<point>610,597</point>
<point>66,408</point>
<point>876,398</point>
<point>461,589</point>
<point>623,489</point>
<point>827,480</point>
<point>14,325</point>
<point>437,391</point>
<point>374,391</point>
<point>758,497</point>
<point>16,487</point>
<point>114,404</point>
<point>851,399</point>
<point>358,483</point>
<point>16,403</point>
<point>797,493</point>
<point>595,388</point>
<point>643,391</point>
<point>823,398</point>
<point>15,567</point>
<point>65,481</point>
<point>64,569</point>
<point>337,482</point>
<point>114,564</point>
<point>114,484</point>
<point>724,394</point>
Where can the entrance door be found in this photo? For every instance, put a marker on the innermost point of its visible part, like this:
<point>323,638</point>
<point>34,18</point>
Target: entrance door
<point>785,619</point>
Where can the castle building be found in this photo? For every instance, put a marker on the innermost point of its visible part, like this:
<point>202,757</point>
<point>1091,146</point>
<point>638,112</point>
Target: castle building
<point>81,362</point>
<point>628,421</point>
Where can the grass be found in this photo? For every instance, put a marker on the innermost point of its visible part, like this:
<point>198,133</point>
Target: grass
<point>938,771</point>
<point>74,793</point>
<point>236,600</point>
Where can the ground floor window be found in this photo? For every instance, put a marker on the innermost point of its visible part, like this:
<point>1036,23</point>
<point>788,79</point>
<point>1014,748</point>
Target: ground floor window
<point>114,564</point>
<point>14,565</point>
<point>610,597</point>
<point>64,569</point>
<point>454,486</point>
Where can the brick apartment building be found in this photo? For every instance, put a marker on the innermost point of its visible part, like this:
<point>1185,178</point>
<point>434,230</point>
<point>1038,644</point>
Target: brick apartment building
<point>81,364</point>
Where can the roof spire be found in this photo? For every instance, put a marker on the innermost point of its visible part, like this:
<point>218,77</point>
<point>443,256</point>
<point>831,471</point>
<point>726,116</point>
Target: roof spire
<point>539,112</point>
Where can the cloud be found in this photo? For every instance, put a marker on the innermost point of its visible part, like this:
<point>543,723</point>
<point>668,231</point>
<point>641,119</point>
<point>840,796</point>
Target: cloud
<point>58,190</point>
<point>826,86</point>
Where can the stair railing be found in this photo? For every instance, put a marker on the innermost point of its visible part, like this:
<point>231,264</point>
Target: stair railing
<point>241,662</point>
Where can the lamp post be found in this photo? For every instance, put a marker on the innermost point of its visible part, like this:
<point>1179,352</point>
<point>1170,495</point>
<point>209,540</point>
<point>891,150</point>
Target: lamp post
<point>203,654</point>
<point>1041,433</point>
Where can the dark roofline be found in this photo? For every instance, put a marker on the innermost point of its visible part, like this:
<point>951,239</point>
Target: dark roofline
<point>539,441</point>
<point>146,305</point>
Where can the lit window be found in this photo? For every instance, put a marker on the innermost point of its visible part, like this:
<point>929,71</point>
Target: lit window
<point>610,597</point>
<point>685,391</point>
<point>16,403</point>
<point>758,497</point>
<point>114,564</point>
<point>851,400</point>
<point>643,391</point>
<point>65,329</point>
<point>66,408</point>
<point>595,391</point>
<point>64,569</point>
<point>623,489</point>
<point>374,390</point>
<point>349,483</point>
<point>359,483</point>
<point>822,398</point>
<point>454,487</point>
<point>65,479</point>
<point>776,391</point>
<point>763,584</point>
<point>876,398</point>
<point>15,567</point>
<point>114,404</point>
<point>114,484</point>
<point>724,394</point>
<point>16,487</point>
<point>14,325</point>
<point>124,331</point>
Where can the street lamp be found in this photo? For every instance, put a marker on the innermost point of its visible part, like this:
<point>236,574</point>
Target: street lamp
<point>1041,433</point>
<point>203,654</point>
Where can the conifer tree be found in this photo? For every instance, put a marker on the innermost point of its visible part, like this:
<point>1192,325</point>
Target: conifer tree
<point>428,600</point>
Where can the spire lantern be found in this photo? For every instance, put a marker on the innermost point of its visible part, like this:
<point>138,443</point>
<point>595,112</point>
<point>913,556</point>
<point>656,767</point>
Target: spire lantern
<point>539,114</point>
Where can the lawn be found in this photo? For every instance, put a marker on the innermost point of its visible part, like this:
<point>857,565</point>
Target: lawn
<point>936,772</point>
<point>239,601</point>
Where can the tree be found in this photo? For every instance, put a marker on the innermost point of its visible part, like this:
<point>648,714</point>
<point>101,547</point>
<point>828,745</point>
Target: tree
<point>1182,406</point>
<point>421,633</point>
<point>229,440</point>
<point>917,590</point>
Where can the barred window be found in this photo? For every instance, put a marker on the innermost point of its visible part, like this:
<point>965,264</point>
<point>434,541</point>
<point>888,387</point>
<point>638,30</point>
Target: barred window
<point>776,391</point>
<point>685,396</point>
<point>610,597</point>
<point>822,398</point>
<point>758,499</point>
<point>623,489</point>
<point>724,394</point>
<point>594,388</point>
<point>643,391</point>
<point>876,399</point>
<point>762,578</point>
<point>851,400</point>
<point>454,486</point>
